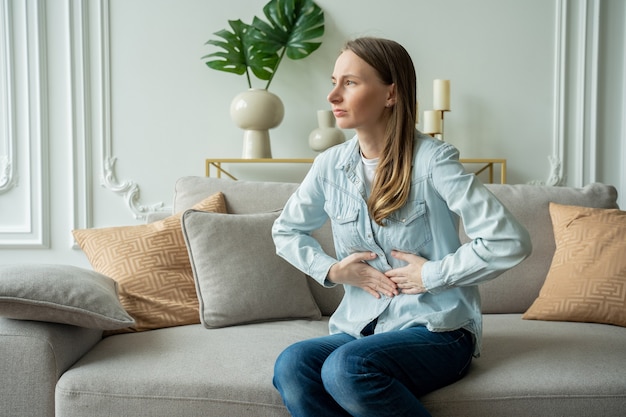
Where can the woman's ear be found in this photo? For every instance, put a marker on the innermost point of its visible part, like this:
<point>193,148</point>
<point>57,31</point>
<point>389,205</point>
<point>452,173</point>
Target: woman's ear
<point>391,95</point>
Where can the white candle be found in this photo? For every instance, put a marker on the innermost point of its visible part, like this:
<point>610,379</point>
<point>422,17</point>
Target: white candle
<point>432,122</point>
<point>417,112</point>
<point>441,92</point>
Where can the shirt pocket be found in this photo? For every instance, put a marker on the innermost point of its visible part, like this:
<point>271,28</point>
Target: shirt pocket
<point>408,228</point>
<point>344,219</point>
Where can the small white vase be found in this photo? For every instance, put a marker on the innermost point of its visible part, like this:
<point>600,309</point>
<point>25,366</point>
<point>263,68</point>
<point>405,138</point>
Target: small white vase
<point>256,111</point>
<point>326,135</point>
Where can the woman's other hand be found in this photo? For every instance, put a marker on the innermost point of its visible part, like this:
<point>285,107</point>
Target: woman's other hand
<point>353,270</point>
<point>409,277</point>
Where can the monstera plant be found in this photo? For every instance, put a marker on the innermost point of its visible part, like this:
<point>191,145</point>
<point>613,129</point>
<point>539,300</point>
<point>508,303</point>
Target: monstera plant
<point>293,28</point>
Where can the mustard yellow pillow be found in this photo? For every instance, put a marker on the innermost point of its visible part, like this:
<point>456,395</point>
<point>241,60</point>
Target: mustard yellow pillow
<point>587,278</point>
<point>151,265</point>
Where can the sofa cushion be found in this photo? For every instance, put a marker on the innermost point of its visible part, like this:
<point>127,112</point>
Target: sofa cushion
<point>200,372</point>
<point>246,197</point>
<point>539,368</point>
<point>516,289</point>
<point>239,278</point>
<point>528,368</point>
<point>151,265</point>
<point>587,278</point>
<point>61,294</point>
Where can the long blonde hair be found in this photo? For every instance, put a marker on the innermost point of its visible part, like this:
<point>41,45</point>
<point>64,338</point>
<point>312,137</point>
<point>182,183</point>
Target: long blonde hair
<point>392,183</point>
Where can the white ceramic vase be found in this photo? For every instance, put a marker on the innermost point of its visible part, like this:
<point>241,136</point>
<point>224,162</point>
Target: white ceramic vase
<point>256,111</point>
<point>326,134</point>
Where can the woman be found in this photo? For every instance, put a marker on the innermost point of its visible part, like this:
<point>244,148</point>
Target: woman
<point>410,320</point>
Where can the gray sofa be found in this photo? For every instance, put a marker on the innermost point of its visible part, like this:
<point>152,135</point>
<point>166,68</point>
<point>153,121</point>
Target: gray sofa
<point>527,368</point>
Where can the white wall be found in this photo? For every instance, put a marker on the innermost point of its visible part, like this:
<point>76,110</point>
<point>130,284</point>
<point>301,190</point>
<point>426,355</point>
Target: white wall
<point>105,103</point>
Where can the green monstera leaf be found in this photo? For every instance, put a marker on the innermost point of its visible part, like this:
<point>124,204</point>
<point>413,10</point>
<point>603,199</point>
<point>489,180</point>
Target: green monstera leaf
<point>233,57</point>
<point>292,25</point>
<point>237,54</point>
<point>293,28</point>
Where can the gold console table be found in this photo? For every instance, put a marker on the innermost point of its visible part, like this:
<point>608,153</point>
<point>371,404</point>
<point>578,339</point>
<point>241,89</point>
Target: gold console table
<point>217,163</point>
<point>484,164</point>
<point>487,164</point>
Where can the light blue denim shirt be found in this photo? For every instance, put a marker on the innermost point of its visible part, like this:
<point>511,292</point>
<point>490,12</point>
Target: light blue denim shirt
<point>427,225</point>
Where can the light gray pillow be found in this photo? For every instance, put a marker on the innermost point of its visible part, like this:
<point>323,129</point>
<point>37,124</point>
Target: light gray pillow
<point>61,294</point>
<point>239,278</point>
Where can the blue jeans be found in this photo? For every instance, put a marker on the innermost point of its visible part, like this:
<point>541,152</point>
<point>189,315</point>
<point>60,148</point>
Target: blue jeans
<point>378,375</point>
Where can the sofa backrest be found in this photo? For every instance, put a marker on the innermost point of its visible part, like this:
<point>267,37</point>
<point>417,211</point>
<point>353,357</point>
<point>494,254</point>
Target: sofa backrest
<point>512,292</point>
<point>516,289</point>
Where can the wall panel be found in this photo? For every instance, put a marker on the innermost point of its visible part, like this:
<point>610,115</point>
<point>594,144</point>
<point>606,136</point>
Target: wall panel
<point>24,200</point>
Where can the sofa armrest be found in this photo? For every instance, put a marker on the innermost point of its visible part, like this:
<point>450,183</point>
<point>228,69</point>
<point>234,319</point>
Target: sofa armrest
<point>33,355</point>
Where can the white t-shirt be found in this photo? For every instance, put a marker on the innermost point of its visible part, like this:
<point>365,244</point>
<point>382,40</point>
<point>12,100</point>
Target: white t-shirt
<point>369,170</point>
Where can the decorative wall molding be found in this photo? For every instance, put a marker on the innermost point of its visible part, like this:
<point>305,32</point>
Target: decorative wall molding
<point>8,136</point>
<point>580,93</point>
<point>80,105</point>
<point>80,114</point>
<point>555,176</point>
<point>575,131</point>
<point>27,224</point>
<point>128,189</point>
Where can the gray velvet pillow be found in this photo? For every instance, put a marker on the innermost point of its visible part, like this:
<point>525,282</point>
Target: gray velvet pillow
<point>61,294</point>
<point>239,278</point>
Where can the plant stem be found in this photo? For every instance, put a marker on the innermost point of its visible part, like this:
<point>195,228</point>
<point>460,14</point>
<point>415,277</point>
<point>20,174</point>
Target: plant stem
<point>248,77</point>
<point>282,54</point>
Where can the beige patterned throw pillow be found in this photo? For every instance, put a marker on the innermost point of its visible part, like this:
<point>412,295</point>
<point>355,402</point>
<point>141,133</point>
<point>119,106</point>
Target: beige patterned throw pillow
<point>587,278</point>
<point>151,265</point>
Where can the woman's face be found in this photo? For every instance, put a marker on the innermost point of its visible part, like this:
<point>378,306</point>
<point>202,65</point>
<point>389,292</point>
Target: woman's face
<point>359,97</point>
